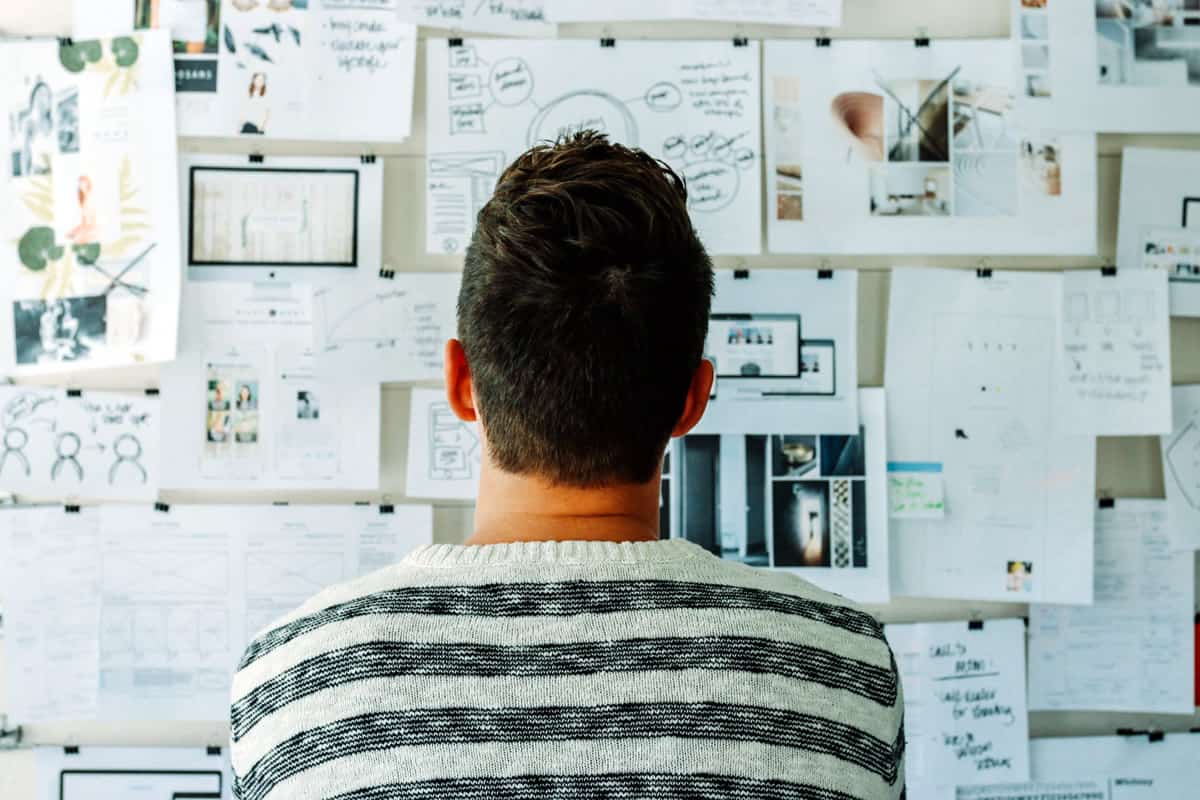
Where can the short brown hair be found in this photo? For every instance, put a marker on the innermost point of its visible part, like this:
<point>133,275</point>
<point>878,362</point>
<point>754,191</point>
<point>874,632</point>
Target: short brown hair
<point>583,312</point>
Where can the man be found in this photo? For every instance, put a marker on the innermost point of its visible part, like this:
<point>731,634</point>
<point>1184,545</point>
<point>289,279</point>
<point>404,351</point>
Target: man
<point>566,652</point>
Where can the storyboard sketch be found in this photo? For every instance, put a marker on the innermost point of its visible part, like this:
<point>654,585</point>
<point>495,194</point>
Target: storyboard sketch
<point>1133,649</point>
<point>1181,469</point>
<point>57,443</point>
<point>1160,219</point>
<point>905,149</point>
<point>784,346</point>
<point>386,326</point>
<point>1135,767</point>
<point>694,104</point>
<point>283,69</point>
<point>1119,66</point>
<point>89,221</point>
<point>818,13</point>
<point>444,453</point>
<point>965,717</point>
<point>1116,337</point>
<point>813,504</point>
<point>132,773</point>
<point>244,407</point>
<point>168,597</point>
<point>972,376</point>
<point>506,17</point>
<point>294,219</point>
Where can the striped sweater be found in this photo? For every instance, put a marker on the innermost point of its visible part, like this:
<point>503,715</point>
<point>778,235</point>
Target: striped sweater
<point>569,670</point>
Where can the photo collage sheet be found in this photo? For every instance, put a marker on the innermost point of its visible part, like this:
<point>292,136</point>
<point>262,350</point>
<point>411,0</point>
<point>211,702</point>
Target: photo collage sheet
<point>89,235</point>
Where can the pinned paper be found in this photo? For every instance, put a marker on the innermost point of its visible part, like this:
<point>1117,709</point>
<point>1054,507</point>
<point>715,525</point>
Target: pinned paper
<point>916,490</point>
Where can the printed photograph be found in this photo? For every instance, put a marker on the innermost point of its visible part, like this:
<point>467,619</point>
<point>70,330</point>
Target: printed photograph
<point>793,456</point>
<point>801,523</point>
<point>147,14</point>
<point>1035,26</point>
<point>1041,168</point>
<point>916,119</point>
<point>1035,56</point>
<point>859,117</point>
<point>32,133</point>
<point>843,456</point>
<point>1033,3</point>
<point>1020,577</point>
<point>911,190</point>
<point>1148,42</point>
<point>51,331</point>
<point>1037,85</point>
<point>726,518</point>
<point>247,396</point>
<point>789,174</point>
<point>307,405</point>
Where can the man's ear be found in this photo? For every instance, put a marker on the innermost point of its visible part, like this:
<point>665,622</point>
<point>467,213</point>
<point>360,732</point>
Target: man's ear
<point>697,398</point>
<point>458,382</point>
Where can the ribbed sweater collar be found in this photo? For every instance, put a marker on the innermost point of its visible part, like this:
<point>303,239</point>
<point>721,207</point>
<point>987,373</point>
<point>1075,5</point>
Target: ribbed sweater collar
<point>565,552</point>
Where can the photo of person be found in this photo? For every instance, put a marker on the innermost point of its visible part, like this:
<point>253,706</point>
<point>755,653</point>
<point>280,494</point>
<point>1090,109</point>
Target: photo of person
<point>67,329</point>
<point>256,113</point>
<point>307,406</point>
<point>33,137</point>
<point>85,231</point>
<point>1020,576</point>
<point>247,396</point>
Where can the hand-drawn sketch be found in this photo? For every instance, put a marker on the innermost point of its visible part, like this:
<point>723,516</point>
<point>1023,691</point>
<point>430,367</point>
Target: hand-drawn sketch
<point>453,446</point>
<point>101,445</point>
<point>444,453</point>
<point>1181,469</point>
<point>90,277</point>
<point>508,17</point>
<point>489,100</point>
<point>387,327</point>
<point>900,140</point>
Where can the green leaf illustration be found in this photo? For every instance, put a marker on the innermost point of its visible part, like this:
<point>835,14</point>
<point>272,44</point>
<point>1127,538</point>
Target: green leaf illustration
<point>37,248</point>
<point>87,253</point>
<point>125,51</point>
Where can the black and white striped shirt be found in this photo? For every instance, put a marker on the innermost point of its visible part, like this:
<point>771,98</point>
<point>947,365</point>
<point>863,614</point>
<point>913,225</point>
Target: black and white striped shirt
<point>570,670</point>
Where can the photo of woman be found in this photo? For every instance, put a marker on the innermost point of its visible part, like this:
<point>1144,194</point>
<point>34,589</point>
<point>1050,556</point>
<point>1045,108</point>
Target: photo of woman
<point>85,231</point>
<point>256,112</point>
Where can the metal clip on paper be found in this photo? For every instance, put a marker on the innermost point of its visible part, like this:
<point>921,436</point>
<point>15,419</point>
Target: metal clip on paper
<point>455,41</point>
<point>10,738</point>
<point>608,41</point>
<point>741,41</point>
<point>1108,272</point>
<point>256,158</point>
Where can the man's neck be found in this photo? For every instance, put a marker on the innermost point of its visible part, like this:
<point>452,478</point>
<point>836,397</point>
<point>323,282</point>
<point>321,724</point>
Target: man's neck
<point>517,508</point>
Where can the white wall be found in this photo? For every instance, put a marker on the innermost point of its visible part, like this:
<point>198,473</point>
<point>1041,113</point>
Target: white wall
<point>1127,467</point>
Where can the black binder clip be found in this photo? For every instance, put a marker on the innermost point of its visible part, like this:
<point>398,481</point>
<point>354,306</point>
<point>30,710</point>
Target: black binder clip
<point>741,274</point>
<point>10,738</point>
<point>1107,502</point>
<point>824,274</point>
<point>152,392</point>
<point>455,41</point>
<point>69,509</point>
<point>213,750</point>
<point>387,508</point>
<point>387,274</point>
<point>975,625</point>
<point>71,749</point>
<point>1156,736</point>
<point>256,158</point>
<point>367,159</point>
<point>280,503</point>
<point>824,41</point>
<point>74,392</point>
<point>162,508</point>
<point>921,41</point>
<point>66,41</point>
<point>741,41</point>
<point>608,41</point>
<point>1108,272</point>
<point>983,272</point>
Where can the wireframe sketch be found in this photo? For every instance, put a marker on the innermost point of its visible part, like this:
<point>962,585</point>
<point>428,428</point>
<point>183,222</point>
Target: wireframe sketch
<point>491,100</point>
<point>1148,42</point>
<point>454,447</point>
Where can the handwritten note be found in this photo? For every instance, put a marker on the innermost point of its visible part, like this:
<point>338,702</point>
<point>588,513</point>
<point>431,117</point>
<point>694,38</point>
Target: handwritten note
<point>511,17</point>
<point>916,490</point>
<point>1132,649</point>
<point>1116,370</point>
<point>1038,790</point>
<point>964,702</point>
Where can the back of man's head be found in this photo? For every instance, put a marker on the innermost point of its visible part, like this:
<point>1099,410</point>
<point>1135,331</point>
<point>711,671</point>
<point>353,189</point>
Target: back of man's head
<point>583,312</point>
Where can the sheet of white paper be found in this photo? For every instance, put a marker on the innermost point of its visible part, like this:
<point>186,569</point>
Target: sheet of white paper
<point>49,583</point>
<point>972,371</point>
<point>1116,336</point>
<point>244,408</point>
<point>693,104</point>
<point>1160,219</point>
<point>89,268</point>
<point>1037,790</point>
<point>132,773</point>
<point>1135,767</point>
<point>822,13</point>
<point>916,491</point>
<point>79,445</point>
<point>784,344</point>
<point>814,504</point>
<point>1104,65</point>
<point>901,149</point>
<point>1181,469</point>
<point>443,452</point>
<point>965,717</point>
<point>1133,649</point>
<point>508,17</point>
<point>294,219</point>
<point>285,70</point>
<point>385,327</point>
